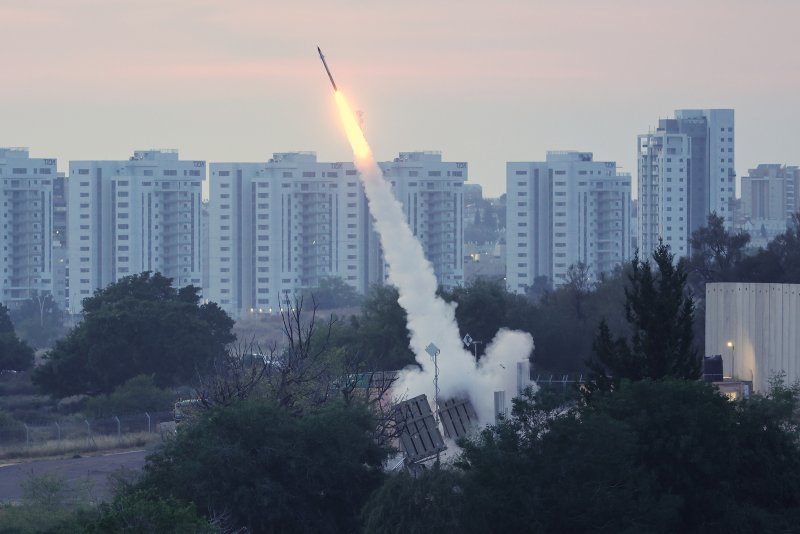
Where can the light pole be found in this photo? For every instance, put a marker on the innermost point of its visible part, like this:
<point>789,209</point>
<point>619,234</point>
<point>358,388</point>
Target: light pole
<point>733,358</point>
<point>433,351</point>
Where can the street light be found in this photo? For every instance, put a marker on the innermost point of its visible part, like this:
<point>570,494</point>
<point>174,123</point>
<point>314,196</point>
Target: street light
<point>733,358</point>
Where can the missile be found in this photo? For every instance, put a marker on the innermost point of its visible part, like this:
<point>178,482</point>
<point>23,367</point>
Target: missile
<point>327,69</point>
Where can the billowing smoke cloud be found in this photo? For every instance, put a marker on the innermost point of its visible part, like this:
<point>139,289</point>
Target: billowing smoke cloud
<point>431,319</point>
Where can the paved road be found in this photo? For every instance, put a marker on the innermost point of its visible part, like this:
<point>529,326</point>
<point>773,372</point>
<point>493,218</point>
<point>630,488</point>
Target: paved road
<point>90,472</point>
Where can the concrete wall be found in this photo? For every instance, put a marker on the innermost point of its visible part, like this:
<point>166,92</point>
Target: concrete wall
<point>763,322</point>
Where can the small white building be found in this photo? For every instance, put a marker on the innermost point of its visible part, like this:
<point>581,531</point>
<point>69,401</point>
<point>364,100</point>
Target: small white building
<point>755,327</point>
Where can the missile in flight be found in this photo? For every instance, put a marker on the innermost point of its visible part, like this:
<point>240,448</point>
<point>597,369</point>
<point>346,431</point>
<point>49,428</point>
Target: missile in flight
<point>327,69</point>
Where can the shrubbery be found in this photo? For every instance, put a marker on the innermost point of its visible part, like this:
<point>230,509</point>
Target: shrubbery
<point>137,395</point>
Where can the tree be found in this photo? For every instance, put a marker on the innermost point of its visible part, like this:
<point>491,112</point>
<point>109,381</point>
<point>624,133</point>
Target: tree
<point>653,456</point>
<point>432,502</point>
<point>379,336</point>
<point>266,470</point>
<point>716,254</point>
<point>333,292</point>
<point>578,285</point>
<point>660,315</point>
<point>39,320</point>
<point>484,306</point>
<point>535,292</point>
<point>779,262</point>
<point>139,325</point>
<point>6,326</point>
<point>15,354</point>
<point>565,321</point>
<point>139,511</point>
<point>137,395</point>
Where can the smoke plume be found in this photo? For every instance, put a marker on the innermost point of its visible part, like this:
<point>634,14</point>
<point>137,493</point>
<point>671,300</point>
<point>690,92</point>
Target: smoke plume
<point>431,319</point>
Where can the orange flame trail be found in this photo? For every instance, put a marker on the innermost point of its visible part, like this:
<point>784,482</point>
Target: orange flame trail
<point>361,148</point>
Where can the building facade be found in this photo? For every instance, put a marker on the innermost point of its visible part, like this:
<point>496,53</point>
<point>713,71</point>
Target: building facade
<point>754,328</point>
<point>134,215</point>
<point>280,227</point>
<point>663,205</point>
<point>686,171</point>
<point>769,200</point>
<point>566,210</point>
<point>432,194</point>
<point>26,236</point>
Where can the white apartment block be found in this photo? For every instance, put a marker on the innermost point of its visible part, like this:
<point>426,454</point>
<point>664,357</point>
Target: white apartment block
<point>563,211</point>
<point>134,215</point>
<point>432,194</point>
<point>280,227</point>
<point>769,200</point>
<point>26,236</point>
<point>706,156</point>
<point>663,163</point>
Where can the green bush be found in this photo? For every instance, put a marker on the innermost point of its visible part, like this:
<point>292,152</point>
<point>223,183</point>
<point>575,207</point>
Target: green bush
<point>137,395</point>
<point>15,354</point>
<point>138,511</point>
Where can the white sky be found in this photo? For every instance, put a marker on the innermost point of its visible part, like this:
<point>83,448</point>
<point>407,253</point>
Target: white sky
<point>484,82</point>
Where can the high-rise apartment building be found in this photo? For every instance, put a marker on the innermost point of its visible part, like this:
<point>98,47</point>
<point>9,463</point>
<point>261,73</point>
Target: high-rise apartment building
<point>663,202</point>
<point>563,211</point>
<point>432,194</point>
<point>279,227</point>
<point>134,215</point>
<point>686,171</point>
<point>769,199</point>
<point>26,235</point>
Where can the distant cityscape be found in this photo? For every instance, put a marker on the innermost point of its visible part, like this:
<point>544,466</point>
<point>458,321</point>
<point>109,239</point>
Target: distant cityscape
<point>272,229</point>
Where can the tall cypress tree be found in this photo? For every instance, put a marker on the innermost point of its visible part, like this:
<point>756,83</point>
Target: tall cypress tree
<point>660,314</point>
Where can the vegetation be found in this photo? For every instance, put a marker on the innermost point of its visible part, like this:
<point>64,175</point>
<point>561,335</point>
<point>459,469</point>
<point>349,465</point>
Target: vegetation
<point>76,444</point>
<point>378,336</point>
<point>140,511</point>
<point>485,306</point>
<point>138,395</point>
<point>661,317</point>
<point>262,468</point>
<point>653,456</point>
<point>15,354</point>
<point>39,321</point>
<point>139,325</point>
<point>333,292</point>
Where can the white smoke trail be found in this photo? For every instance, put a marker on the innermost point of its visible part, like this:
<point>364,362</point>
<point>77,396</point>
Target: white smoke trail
<point>431,319</point>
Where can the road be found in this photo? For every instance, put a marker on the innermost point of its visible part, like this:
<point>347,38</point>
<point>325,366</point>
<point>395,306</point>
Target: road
<point>89,474</point>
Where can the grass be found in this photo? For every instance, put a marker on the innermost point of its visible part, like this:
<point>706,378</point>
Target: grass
<point>78,445</point>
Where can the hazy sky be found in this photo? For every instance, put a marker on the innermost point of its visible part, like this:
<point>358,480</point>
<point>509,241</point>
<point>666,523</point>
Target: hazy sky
<point>484,82</point>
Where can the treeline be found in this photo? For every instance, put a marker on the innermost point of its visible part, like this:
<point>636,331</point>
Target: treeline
<point>296,443</point>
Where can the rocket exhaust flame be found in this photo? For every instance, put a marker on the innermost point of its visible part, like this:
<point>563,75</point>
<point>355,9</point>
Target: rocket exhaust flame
<point>430,319</point>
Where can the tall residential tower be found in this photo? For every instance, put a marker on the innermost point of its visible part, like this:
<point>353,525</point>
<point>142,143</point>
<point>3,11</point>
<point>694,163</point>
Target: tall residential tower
<point>26,236</point>
<point>563,211</point>
<point>686,171</point>
<point>134,215</point>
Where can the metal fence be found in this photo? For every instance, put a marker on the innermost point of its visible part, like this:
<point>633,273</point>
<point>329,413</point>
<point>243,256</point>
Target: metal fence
<point>88,429</point>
